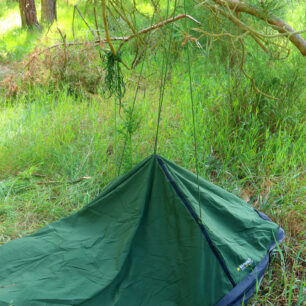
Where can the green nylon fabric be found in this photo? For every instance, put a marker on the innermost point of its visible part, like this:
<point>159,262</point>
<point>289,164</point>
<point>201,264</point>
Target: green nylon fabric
<point>137,244</point>
<point>235,228</point>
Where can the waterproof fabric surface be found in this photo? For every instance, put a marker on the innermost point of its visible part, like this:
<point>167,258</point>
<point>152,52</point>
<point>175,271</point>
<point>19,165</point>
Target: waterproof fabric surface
<point>144,241</point>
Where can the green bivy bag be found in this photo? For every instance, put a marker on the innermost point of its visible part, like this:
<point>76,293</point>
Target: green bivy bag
<point>156,236</point>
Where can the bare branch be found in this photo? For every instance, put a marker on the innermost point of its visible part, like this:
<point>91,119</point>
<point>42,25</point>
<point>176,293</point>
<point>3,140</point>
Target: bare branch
<point>96,22</point>
<point>124,39</point>
<point>65,46</point>
<point>108,39</point>
<point>88,26</point>
<point>159,25</point>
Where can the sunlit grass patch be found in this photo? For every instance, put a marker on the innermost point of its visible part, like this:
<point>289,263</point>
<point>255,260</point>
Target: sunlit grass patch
<point>10,20</point>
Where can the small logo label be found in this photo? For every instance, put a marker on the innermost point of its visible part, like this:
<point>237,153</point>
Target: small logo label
<point>245,265</point>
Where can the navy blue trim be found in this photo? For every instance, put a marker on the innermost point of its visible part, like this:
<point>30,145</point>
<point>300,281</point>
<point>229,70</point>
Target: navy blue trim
<point>246,288</point>
<point>262,215</point>
<point>280,234</point>
<point>196,218</point>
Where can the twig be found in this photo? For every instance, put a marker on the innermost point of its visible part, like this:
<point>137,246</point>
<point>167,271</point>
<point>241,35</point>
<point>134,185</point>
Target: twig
<point>70,182</point>
<point>38,175</point>
<point>260,44</point>
<point>219,34</point>
<point>49,182</point>
<point>123,16</point>
<point>73,16</point>
<point>108,39</point>
<point>73,35</point>
<point>82,178</point>
<point>88,26</point>
<point>65,46</point>
<point>96,21</point>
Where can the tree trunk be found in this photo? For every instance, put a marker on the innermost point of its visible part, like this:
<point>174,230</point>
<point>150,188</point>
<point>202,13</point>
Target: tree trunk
<point>28,13</point>
<point>48,10</point>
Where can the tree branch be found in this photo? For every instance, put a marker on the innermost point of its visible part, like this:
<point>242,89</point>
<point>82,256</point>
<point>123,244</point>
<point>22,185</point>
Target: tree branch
<point>124,39</point>
<point>158,25</point>
<point>108,39</point>
<point>275,22</point>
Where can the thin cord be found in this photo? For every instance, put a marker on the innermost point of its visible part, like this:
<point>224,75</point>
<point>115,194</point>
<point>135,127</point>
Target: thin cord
<point>193,122</point>
<point>163,79</point>
<point>115,134</point>
<point>135,96</point>
<point>119,99</point>
<point>161,97</point>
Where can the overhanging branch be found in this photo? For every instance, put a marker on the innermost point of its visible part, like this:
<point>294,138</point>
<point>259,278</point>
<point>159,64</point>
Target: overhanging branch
<point>275,22</point>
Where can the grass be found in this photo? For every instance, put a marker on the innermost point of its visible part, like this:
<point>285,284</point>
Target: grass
<point>51,136</point>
